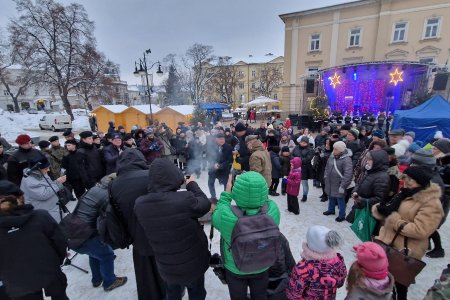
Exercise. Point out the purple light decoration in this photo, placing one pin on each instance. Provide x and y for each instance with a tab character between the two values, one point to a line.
367	88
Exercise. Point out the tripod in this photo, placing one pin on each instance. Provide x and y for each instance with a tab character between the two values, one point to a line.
62	210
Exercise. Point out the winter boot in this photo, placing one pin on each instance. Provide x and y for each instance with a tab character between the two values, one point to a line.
117	283
436	253
304	198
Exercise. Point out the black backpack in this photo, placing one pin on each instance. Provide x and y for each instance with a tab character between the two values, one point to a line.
255	240
111	225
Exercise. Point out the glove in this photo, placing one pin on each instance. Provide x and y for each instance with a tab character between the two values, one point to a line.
285	180
341	190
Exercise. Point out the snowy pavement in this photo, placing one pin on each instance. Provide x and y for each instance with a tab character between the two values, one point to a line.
293	227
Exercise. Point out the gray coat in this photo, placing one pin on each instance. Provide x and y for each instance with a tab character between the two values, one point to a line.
332	179
38	193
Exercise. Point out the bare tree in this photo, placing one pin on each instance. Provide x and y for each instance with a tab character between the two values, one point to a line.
93	81
16	73
55	36
270	78
224	81
198	61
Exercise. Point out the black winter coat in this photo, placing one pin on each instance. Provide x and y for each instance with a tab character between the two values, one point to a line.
319	141
244	154
110	156
32	249
131	182
74	165
280	271
18	161
276	164
169	218
306	154
88	207
285	162
224	160
93	165
357	150
375	185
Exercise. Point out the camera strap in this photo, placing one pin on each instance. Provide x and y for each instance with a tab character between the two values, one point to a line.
211	236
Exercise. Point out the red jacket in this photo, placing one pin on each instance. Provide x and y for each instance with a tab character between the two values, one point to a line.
287	124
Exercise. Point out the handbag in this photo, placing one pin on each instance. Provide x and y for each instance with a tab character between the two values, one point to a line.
352	183
364	223
403	267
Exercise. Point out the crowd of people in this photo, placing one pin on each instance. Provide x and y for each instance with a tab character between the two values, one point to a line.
404	182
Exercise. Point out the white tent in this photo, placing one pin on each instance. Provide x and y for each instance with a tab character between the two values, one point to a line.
261	100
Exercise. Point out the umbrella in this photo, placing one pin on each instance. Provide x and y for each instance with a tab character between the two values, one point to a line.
261	100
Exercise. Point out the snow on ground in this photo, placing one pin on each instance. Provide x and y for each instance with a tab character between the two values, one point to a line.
13	124
294	227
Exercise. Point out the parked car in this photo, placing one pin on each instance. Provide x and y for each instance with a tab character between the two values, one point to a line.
33	111
55	122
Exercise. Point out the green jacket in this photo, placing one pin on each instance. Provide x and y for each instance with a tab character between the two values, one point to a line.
249	193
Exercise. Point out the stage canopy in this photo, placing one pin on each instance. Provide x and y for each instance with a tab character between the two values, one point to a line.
425	119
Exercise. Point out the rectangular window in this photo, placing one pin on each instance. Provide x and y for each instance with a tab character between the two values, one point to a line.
22	93
355	37
312	71
241	97
399	34
36	92
253	85
240	74
241	85
431	28
315	42
275	96
253	73
253	97
426	60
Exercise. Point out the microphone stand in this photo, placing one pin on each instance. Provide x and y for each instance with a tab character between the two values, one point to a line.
62	209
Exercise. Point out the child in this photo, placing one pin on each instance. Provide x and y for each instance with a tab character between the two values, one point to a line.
322	270
369	277
293	185
285	160
276	169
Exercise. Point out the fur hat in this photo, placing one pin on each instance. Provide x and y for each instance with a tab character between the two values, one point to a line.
340	146
443	145
423	157
372	260
23	139
420	174
401	147
321	239
240	127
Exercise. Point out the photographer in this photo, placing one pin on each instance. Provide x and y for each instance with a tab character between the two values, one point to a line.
151	147
101	255
40	190
169	219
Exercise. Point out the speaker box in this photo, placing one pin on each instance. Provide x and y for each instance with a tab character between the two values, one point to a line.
440	82
310	86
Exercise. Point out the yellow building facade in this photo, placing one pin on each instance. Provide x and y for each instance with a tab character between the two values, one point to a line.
360	31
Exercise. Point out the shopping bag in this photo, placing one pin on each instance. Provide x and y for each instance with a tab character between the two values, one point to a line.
364	223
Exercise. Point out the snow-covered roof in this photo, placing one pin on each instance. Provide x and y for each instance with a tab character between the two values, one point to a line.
259	59
183	109
145	108
133	88
117	109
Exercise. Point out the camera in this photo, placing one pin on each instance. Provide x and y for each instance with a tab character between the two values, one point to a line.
216	263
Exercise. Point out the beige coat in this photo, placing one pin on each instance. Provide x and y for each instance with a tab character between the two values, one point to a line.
260	162
422	212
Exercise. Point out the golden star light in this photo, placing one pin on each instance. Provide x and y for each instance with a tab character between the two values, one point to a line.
335	80
396	77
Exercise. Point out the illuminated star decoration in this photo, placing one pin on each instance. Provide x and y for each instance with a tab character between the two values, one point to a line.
396	77
335	80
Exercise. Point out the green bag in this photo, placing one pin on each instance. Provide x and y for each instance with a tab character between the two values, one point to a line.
364	223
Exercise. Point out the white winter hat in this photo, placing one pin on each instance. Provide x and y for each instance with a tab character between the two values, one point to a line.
339	146
321	239
401	147
438	135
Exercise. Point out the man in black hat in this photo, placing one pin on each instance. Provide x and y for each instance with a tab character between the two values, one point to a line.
395	136
74	163
93	166
241	150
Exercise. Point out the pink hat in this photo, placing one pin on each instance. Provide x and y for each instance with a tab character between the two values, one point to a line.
372	260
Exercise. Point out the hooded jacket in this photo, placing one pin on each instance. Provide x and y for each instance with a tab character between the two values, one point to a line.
169	220
294	178
361	291
422	212
40	192
132	171
260	161
375	185
332	179
250	194
32	249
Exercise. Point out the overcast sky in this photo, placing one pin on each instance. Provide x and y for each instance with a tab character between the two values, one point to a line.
125	28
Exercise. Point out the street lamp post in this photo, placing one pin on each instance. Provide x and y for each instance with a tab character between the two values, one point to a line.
143	72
